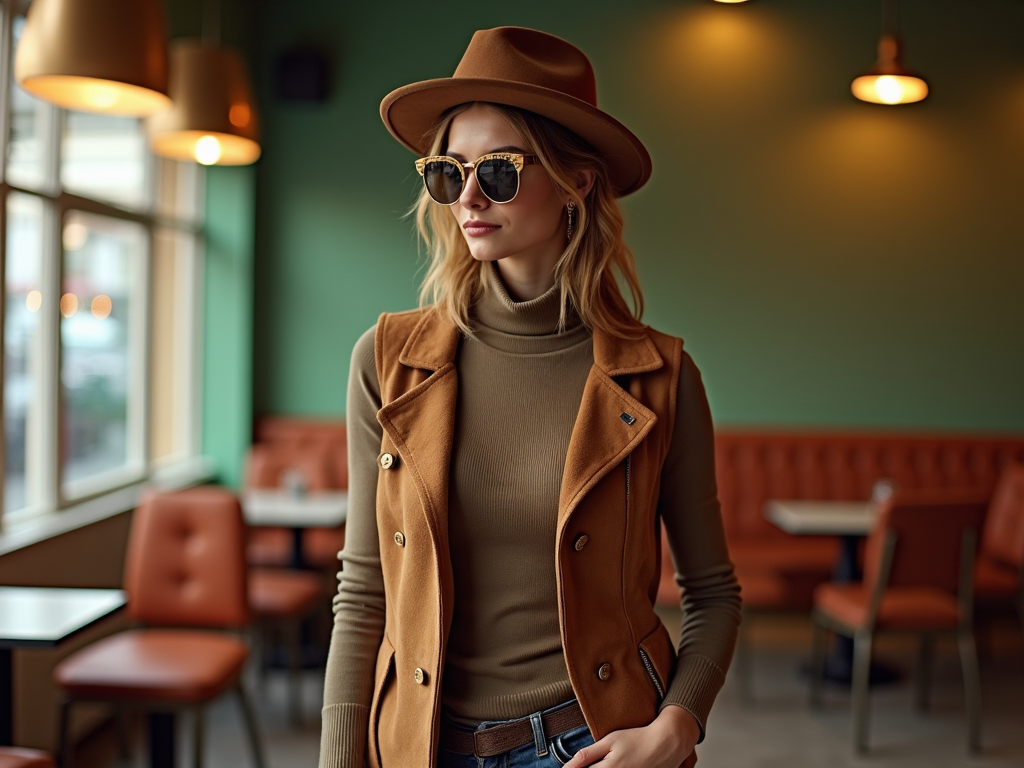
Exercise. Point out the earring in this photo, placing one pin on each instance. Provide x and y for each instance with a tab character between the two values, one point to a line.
570	207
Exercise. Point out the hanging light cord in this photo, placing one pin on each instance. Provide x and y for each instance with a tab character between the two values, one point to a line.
211	22
890	17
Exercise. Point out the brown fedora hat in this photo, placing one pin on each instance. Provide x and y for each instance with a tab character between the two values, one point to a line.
527	69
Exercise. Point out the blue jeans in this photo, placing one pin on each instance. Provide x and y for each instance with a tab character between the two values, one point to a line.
545	752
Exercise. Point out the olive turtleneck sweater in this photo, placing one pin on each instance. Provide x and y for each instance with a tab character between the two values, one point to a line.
520	387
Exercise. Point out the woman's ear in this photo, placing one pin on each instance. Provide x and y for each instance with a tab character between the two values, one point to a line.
585	182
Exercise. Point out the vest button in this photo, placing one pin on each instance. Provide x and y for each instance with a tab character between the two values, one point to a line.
419	676
399	538
604	671
387	461
581	542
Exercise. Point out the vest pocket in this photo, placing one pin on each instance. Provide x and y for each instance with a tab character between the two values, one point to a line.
657	656
382	676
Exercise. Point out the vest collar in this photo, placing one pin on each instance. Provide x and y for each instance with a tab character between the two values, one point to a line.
435	341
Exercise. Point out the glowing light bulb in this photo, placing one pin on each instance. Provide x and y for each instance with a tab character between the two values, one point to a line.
33	301
68	304
207	150
101	306
100	96
889	89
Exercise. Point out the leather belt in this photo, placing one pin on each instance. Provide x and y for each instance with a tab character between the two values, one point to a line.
512	735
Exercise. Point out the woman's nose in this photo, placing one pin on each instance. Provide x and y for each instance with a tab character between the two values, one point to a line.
472	196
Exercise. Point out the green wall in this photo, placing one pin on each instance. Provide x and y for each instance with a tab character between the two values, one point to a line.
227	319
828	262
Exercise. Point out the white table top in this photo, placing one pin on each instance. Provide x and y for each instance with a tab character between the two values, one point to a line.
46	616
837	518
271	506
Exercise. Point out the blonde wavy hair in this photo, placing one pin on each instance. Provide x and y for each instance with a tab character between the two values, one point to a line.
594	260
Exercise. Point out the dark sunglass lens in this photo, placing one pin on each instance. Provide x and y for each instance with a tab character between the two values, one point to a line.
443	180
498	179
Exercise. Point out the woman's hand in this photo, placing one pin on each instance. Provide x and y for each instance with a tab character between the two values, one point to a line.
668	742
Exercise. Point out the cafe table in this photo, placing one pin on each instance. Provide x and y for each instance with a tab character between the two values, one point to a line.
295	511
43	617
850	521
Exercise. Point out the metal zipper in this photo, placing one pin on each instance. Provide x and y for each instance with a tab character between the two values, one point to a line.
652	674
630	456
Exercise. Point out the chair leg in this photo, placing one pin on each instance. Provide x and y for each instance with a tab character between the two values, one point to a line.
859	689
293	635
63	741
817	669
972	689
922	683
197	743
743	662
250	725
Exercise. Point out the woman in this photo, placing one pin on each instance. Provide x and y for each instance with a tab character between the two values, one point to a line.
524	412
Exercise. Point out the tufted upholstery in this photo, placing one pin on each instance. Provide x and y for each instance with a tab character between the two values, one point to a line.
16	757
186	563
186	575
754	466
316	448
327	437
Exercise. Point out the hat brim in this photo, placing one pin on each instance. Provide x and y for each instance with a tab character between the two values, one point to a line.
412	111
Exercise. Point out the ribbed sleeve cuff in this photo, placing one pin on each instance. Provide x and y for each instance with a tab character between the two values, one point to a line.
696	684
343	735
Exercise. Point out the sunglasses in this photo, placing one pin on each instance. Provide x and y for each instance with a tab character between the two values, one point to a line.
497	174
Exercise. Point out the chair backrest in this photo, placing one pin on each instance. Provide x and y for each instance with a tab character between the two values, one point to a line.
1003	537
929	533
269	465
186	560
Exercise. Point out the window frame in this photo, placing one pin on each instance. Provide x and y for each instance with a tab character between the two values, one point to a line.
53	494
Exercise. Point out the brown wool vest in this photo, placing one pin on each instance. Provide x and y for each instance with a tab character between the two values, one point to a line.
619	656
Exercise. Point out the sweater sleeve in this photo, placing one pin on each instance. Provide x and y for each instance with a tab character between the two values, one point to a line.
359	604
696	537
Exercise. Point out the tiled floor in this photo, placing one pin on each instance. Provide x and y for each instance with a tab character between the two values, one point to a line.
777	731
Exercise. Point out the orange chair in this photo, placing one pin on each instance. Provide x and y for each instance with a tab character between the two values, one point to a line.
269	466
185	575
918	564
999	571
284	598
17	757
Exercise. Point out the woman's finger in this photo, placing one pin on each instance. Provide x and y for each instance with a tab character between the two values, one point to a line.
590	755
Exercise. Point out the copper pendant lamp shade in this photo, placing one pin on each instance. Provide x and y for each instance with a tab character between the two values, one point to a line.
107	56
213	119
889	82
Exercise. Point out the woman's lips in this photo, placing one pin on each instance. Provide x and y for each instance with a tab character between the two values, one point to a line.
479	228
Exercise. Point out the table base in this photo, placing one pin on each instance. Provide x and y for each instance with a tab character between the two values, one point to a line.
161	739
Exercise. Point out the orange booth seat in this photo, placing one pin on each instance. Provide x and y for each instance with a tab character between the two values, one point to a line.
776	569
318	451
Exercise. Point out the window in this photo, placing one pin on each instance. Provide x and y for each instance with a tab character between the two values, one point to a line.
101	253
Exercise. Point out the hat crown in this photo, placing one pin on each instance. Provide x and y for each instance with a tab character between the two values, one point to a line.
530	57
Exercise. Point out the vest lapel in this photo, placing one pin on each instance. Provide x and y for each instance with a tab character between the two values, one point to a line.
611	422
421	421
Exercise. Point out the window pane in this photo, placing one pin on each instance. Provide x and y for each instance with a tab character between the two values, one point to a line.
23	352
104	157
99	309
178	195
170	348
31	122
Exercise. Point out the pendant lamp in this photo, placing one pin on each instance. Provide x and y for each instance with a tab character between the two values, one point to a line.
889	82
107	56
213	117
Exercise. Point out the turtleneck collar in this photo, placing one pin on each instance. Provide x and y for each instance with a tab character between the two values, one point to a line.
522	326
